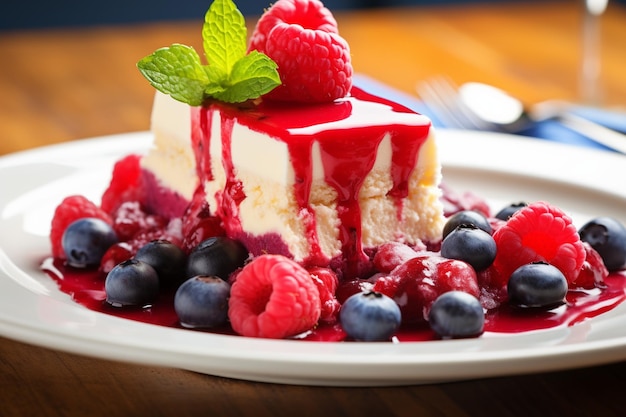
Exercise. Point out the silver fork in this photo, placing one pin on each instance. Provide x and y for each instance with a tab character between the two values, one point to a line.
440	95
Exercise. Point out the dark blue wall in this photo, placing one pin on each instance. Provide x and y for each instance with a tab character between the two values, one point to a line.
16	14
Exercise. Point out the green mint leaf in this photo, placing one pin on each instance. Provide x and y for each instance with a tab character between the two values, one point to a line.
217	82
230	76
224	35
252	76
177	71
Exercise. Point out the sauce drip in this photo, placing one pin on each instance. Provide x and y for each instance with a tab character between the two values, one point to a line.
348	131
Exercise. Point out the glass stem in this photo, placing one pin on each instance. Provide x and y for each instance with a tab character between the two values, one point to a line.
591	51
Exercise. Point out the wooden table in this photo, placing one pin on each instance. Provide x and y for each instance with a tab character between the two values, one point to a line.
63	85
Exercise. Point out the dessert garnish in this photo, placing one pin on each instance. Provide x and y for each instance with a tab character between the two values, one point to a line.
231	75
301	36
273	297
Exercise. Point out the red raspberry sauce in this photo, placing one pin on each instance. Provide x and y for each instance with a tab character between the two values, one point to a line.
348	132
87	289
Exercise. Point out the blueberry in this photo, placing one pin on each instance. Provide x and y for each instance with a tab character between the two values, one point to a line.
537	285
216	256
608	237
370	316
470	244
202	302
131	283
506	212
466	217
455	315
86	240
168	260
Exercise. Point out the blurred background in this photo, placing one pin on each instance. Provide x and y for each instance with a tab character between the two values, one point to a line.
59	55
47	14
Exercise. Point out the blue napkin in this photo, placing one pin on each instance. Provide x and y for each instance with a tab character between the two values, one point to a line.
549	130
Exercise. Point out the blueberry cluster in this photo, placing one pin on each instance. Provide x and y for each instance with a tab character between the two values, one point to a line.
201	298
467	236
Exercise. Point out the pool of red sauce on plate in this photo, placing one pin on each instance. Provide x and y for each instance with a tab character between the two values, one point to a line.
87	289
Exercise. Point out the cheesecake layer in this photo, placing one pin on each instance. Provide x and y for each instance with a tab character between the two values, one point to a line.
316	183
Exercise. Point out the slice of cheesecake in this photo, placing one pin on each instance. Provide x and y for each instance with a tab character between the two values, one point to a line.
319	183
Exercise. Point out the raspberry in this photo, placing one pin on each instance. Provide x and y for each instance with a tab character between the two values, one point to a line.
392	254
593	271
130	219
539	232
350	287
313	60
326	281
309	13
199	224
273	297
492	293
116	254
171	232
416	284
455	275
71	209
126	184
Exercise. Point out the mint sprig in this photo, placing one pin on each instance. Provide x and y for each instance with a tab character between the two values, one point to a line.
230	75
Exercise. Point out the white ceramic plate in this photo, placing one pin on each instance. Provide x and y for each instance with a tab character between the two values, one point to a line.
501	168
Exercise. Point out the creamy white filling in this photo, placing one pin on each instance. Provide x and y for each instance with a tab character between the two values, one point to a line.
171	158
264	167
